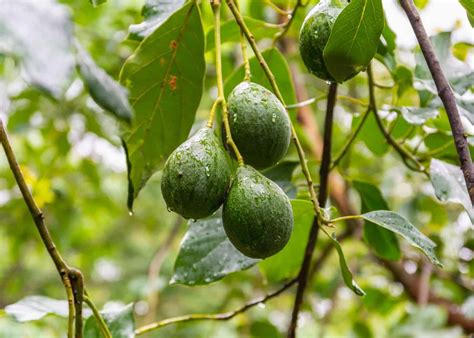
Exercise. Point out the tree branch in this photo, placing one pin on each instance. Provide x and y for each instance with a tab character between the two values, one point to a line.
218	316
323	192
445	93
287	24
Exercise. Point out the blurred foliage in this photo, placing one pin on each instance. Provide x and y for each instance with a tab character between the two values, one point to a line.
70	152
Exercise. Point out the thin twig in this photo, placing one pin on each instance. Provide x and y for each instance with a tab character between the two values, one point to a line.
38	218
245	57
406	156
445	93
322	197
77	282
287	24
218	316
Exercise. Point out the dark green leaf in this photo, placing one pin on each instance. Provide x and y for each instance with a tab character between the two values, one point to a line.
105	91
354	38
469	6
165	91
40	34
281	174
277	63
449	185
346	272
286	263
230	31
36	307
120	322
383	241
154	12
206	254
400	225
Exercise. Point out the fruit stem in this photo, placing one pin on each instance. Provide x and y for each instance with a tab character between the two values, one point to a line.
276	90
245	57
216	8
216	103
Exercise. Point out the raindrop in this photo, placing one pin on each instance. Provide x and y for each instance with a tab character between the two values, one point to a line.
130	213
261	305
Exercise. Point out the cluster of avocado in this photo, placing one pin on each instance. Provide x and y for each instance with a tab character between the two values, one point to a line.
198	179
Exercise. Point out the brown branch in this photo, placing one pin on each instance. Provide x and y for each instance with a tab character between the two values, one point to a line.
71	278
322	197
445	93
218	316
411	284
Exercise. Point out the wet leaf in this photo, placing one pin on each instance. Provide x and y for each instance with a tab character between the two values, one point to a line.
36	307
281	174
415	115
449	185
400	225
165	91
206	254
384	242
154	12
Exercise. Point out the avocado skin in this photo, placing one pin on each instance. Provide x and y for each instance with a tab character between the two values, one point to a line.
314	35
196	176
259	125
257	215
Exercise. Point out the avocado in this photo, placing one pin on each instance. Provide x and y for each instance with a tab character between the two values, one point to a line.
259	125
314	35
196	176
257	215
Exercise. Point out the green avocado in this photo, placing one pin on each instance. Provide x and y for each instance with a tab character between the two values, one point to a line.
314	35
259	125
196	176
257	215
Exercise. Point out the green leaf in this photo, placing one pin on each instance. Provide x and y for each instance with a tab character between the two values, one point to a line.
386	48
230	31
155	13
354	38
371	135
96	3
346	272
449	185
383	241
400	225
40	34
418	116
281	174
105	91
469	6
165	91
277	63
206	254
36	307
287	262
119	320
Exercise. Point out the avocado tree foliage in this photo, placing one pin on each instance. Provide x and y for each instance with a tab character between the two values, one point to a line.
281	129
